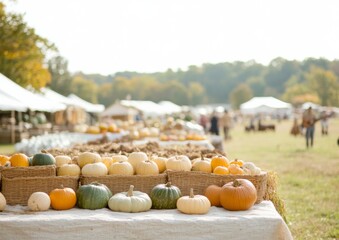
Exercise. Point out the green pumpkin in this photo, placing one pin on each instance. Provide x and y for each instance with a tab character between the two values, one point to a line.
93	196
42	159
165	196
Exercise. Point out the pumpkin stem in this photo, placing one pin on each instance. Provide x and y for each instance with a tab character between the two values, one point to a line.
43	151
202	156
130	191
191	193
168	184
236	183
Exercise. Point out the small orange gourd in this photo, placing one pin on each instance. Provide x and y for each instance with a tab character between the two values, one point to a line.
3	160
63	198
219	161
240	163
212	192
19	160
235	169
221	170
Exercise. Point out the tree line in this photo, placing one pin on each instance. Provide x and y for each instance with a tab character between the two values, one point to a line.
23	59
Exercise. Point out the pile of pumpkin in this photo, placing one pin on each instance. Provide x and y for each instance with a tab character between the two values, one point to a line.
238	195
92	164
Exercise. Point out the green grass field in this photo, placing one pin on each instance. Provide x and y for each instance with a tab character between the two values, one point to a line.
7	149
308	178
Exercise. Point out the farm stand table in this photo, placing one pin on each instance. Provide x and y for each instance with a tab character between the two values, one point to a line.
261	222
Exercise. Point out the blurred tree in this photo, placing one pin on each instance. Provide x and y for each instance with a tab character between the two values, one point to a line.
22	51
240	94
325	84
105	94
196	93
61	78
84	88
175	92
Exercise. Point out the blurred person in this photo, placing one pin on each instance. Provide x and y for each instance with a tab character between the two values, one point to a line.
295	128
214	129
203	121
324	123
225	124
308	121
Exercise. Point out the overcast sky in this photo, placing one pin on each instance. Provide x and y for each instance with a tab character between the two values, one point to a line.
107	36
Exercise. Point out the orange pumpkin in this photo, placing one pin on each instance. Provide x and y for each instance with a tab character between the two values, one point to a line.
235	169
63	198
238	195
3	160
221	170
219	161
212	192
240	163
19	160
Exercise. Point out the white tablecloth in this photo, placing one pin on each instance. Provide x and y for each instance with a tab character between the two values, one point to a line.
260	222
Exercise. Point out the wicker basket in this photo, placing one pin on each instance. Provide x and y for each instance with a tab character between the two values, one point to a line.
120	183
18	190
34	171
199	181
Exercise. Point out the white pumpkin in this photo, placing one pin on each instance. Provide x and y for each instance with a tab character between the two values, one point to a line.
131	201
161	162
3	202
69	170
154	132
251	168
87	158
94	169
202	165
179	163
144	132
61	160
121	168
134	134
147	168
39	201
135	158
193	204
119	158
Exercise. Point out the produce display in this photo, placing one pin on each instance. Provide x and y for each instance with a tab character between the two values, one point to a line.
112	159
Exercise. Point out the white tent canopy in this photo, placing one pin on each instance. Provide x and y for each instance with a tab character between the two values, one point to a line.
148	108
87	106
57	97
266	105
117	109
9	104
28	99
170	107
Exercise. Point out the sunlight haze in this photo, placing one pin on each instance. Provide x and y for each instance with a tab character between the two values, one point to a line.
147	36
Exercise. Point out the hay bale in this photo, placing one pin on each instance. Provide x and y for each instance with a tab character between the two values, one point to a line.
272	194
